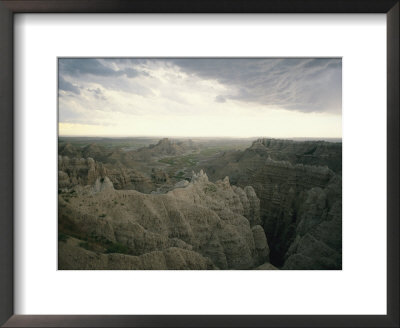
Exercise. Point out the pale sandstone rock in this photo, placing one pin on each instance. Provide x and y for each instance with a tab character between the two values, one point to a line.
73	257
260	243
203	218
266	266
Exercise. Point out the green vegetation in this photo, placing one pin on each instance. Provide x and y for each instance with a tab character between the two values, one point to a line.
62	237
167	160
180	175
117	248
84	245
67	195
102	215
311	151
210	188
210	151
91	241
180	161
108	143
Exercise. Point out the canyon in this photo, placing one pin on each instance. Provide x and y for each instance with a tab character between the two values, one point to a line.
200	204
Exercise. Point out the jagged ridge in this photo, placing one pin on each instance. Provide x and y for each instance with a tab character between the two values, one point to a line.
217	221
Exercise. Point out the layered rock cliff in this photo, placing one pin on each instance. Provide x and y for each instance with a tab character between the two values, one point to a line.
125	213
300	205
316	153
84	171
201	225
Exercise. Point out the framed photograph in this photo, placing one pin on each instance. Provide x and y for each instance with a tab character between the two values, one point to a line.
213	164
141	187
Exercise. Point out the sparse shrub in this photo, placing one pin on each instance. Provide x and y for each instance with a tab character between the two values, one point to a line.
180	175
62	237
102	215
117	248
210	188
84	245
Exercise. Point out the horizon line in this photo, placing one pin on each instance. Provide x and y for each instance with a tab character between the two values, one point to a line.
184	137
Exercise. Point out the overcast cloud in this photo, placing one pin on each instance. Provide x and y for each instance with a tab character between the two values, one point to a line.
308	85
102	91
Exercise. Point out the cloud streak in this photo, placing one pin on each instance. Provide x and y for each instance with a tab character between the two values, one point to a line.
121	92
67	86
307	85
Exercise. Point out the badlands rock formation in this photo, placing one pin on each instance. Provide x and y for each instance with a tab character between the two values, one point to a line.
130	209
84	171
165	147
317	153
300	205
199	225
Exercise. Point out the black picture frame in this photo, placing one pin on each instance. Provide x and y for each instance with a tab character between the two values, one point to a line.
10	7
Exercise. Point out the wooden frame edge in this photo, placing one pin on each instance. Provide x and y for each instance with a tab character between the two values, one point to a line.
7	10
6	164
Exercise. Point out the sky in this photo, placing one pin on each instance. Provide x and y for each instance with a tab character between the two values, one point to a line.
200	97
